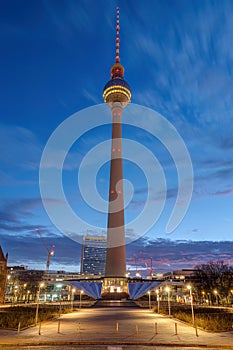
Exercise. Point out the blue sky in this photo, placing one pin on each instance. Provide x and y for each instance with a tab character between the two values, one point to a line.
178	59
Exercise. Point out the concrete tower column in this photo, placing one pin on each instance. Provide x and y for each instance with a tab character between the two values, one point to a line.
117	95
116	252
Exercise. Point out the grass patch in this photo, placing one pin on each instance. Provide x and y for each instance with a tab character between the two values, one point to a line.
10	317
211	319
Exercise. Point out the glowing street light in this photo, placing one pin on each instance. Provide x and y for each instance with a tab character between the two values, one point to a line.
80	299
216	295
41	285
203	296
189	287
158	299
28	295
167	289
149	299
73	290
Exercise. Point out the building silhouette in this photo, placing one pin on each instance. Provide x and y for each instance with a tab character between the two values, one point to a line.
3	274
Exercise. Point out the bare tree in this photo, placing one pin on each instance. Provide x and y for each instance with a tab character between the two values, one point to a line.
214	281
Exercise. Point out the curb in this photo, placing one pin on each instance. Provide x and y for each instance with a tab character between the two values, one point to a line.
87	343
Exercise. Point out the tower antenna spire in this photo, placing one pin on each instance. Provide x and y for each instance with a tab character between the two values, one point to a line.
118	35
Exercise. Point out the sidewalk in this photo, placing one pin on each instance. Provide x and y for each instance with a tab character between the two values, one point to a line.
109	326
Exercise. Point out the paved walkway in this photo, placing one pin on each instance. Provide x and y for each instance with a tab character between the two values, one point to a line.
116	326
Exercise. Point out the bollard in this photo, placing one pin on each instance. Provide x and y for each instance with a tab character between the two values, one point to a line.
19	327
117	327
60	309
196	330
39	332
79	327
175	328
59	326
156	328
137	330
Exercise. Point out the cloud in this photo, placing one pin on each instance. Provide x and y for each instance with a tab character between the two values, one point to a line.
74	19
224	193
92	97
30	251
19	148
188	77
166	254
177	254
16	216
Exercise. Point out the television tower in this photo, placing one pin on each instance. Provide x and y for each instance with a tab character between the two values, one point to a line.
117	95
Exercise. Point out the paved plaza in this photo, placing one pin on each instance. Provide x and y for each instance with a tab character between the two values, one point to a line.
115	327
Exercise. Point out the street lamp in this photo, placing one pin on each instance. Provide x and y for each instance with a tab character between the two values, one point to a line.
149	299
28	295
216	296
167	289
203	296
72	299
80	299
158	299
191	299
41	285
16	290
24	294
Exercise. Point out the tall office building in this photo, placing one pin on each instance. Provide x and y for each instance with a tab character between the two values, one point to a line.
93	255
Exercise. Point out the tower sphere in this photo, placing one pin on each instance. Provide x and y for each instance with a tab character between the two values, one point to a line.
117	89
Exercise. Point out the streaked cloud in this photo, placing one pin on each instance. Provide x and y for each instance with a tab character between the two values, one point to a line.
168	255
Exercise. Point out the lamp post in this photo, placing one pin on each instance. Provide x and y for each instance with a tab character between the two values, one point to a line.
203	296
24	296
191	300
41	285
158	300
80	299
167	289
28	295
16	290
72	299
216	296
149	299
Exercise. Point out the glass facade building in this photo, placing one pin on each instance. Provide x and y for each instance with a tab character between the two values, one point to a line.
93	255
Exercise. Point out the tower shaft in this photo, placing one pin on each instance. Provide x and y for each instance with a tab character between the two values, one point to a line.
116	252
117	95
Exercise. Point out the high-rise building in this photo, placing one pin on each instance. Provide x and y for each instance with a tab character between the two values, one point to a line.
93	255
3	274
